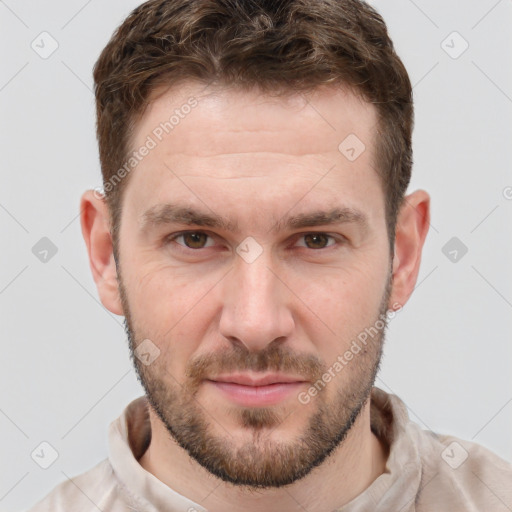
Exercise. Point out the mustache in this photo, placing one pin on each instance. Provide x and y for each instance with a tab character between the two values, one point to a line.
237	358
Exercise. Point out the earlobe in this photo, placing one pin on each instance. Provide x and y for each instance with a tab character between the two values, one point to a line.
411	230
94	219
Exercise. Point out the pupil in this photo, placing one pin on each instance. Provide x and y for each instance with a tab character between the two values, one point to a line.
315	239
195	242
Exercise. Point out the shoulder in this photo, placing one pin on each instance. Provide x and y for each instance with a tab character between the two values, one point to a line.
96	489
459	473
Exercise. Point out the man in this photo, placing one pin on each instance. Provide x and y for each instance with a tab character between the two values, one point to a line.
255	233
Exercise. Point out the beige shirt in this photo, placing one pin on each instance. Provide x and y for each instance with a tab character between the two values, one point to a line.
424	471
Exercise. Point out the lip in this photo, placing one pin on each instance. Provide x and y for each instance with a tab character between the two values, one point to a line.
247	379
252	391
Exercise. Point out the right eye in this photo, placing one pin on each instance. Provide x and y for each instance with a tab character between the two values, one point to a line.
193	240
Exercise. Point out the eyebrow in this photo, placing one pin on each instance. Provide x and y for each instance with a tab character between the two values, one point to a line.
163	214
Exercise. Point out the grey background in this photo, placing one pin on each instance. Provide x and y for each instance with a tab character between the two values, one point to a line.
66	372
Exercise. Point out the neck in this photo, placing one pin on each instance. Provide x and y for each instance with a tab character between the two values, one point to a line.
346	473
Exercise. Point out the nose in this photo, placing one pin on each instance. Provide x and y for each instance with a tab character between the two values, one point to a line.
256	305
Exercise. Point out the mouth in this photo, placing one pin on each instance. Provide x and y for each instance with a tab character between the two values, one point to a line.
253	390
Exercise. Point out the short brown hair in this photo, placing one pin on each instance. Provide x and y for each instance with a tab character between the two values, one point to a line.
288	46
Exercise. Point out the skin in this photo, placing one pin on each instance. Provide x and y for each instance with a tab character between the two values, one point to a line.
256	159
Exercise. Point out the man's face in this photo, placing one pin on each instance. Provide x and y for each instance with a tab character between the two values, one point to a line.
260	296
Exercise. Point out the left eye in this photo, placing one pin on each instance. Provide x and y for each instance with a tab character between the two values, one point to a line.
318	240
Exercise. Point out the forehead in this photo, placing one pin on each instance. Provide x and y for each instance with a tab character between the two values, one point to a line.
232	142
314	121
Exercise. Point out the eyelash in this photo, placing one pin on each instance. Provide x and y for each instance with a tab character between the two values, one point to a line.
173	237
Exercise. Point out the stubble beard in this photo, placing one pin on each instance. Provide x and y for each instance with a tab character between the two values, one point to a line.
259	462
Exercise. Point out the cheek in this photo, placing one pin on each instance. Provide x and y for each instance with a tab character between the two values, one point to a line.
344	303
170	308
164	294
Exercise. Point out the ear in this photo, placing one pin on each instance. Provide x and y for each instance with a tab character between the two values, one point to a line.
95	222
411	230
